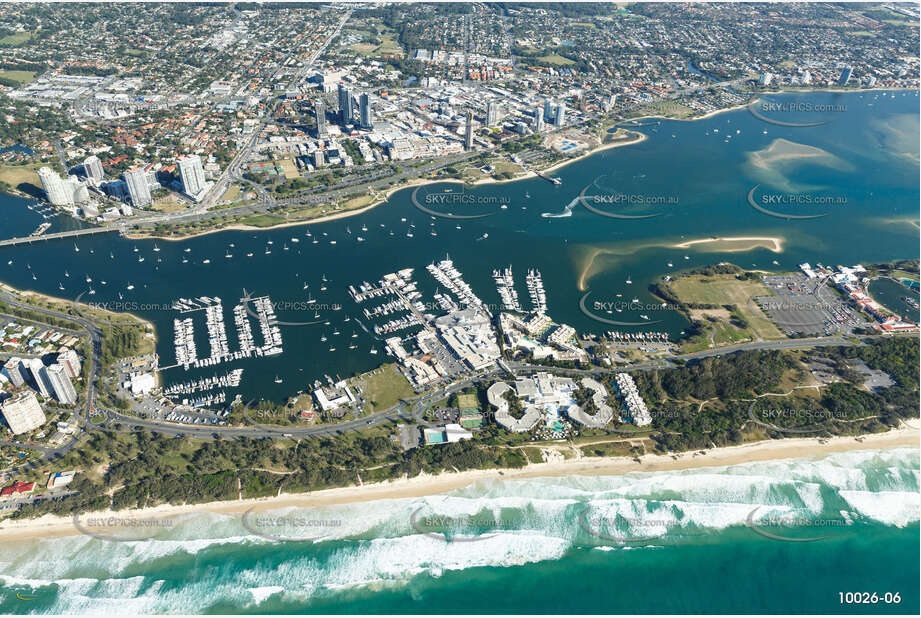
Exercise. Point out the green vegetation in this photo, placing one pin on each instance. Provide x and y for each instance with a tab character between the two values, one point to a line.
16	39
144	470
383	387
16	78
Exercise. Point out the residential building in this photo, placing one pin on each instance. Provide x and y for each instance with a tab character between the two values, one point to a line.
70	361
138	190
468	132
192	175
58	191
60	383
36	371
559	116
319	110
13	370
92	167
346	110
492	113
365	112
23	413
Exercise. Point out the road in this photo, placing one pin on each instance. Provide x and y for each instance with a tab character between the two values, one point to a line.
95	338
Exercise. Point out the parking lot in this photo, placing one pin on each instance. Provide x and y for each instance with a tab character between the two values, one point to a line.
803	306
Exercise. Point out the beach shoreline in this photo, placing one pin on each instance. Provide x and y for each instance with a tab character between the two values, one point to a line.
383	198
49	526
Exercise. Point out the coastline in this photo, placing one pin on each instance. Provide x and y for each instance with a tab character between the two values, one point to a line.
50	526
382	198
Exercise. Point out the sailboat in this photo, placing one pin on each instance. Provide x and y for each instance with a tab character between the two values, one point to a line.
129	286
76	248
66	274
60	287
88	279
156	248
278	380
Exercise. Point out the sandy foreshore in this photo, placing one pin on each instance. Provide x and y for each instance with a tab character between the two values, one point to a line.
425	485
733	244
381	198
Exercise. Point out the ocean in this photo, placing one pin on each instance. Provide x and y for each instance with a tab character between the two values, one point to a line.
786	536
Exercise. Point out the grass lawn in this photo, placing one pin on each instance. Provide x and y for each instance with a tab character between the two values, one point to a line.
262	220
388	47
232	193
384	387
14	175
167	204
727	290
15	39
21	77
556	60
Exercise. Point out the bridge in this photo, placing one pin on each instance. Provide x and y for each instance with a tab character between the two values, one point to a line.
28	240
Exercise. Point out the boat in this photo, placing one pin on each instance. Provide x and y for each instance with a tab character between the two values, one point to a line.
66	274
156	248
360	239
249	255
129	286
76	248
629	281
323	338
228	255
278	380
206	261
644	316
89	279
267	251
187	249
185	261
60	287
136	249
670	264
140	258
332	242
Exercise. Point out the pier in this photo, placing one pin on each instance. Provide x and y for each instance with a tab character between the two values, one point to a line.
28	240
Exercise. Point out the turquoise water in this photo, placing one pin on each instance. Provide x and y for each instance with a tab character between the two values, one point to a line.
682	545
700	172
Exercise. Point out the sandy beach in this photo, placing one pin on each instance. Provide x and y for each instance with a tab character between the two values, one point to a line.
734	244
425	485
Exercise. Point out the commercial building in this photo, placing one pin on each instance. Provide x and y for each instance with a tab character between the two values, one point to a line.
22	413
468	132
138	189
452	432
336	396
60	383
13	370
